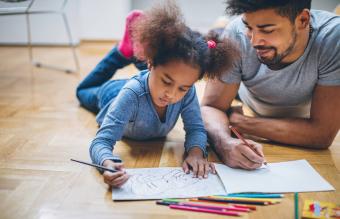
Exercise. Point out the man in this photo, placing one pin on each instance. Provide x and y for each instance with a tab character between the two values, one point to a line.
288	75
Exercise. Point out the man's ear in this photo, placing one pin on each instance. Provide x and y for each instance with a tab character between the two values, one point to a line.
303	19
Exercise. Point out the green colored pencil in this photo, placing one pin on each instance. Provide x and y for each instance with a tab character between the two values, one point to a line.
296	201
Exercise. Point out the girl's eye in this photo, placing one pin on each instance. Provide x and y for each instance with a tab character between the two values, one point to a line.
166	82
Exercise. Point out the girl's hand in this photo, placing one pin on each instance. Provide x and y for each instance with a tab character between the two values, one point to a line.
116	179
197	163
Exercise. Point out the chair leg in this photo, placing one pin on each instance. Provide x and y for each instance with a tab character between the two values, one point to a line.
68	31
29	38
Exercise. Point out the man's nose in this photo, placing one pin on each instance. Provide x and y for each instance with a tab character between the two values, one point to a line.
256	39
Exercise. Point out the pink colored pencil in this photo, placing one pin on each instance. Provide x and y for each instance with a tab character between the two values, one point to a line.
205	210
228	208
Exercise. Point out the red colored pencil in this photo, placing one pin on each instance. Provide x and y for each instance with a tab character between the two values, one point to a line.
250	207
245	142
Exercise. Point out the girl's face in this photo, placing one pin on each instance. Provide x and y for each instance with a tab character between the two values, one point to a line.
169	83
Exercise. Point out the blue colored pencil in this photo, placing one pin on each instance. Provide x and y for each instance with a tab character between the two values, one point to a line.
257	195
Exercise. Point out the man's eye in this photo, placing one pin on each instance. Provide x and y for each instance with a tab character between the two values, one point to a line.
267	31
183	89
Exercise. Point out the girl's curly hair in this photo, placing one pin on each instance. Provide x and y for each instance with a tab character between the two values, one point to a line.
163	36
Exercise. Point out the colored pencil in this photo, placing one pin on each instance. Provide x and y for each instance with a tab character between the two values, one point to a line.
250	207
296	203
271	201
233	201
246	206
227	208
204	210
245	142
208	206
251	195
95	165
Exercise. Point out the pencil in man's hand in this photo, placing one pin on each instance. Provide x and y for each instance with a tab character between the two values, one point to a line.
245	142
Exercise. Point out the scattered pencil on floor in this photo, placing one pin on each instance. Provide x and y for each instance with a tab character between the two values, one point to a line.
231	204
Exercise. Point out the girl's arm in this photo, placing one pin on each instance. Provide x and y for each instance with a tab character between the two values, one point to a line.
195	133
111	130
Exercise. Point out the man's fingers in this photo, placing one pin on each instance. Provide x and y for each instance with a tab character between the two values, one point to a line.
258	148
245	158
251	155
248	164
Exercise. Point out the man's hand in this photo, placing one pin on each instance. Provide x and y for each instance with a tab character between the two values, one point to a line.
116	179
237	155
199	165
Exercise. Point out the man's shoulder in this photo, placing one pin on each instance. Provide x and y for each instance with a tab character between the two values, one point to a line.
324	21
236	26
326	26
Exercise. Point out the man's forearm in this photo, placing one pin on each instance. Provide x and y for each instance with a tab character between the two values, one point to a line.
216	123
302	132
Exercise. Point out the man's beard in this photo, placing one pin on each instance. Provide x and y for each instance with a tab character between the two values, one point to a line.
276	61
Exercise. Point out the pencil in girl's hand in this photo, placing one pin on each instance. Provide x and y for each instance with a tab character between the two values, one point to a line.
245	142
95	165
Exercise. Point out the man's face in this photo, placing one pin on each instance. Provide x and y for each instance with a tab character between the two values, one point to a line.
274	37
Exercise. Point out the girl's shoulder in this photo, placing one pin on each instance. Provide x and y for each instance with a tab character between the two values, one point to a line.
138	83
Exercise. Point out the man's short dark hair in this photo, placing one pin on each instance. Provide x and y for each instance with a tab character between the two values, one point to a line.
285	8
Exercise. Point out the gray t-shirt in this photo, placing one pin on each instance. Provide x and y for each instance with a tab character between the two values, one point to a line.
287	92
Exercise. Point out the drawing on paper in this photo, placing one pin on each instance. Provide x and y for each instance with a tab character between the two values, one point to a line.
154	183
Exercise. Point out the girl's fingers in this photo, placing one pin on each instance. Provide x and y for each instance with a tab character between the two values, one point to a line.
185	167
200	171
206	169
108	176
118	166
120	181
194	167
212	168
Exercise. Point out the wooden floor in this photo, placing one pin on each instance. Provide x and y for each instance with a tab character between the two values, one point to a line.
42	127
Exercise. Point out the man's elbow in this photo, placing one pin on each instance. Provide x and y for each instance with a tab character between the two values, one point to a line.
324	142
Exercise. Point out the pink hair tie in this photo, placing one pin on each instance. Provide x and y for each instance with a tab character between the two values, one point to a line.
211	44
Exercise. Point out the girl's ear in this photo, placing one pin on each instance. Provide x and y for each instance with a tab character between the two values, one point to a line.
149	63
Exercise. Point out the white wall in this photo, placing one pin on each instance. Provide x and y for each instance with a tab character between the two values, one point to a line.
45	28
198	14
88	19
104	19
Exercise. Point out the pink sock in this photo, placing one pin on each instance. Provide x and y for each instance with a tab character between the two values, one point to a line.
125	46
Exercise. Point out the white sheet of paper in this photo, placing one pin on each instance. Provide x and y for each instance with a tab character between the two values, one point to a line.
291	176
166	182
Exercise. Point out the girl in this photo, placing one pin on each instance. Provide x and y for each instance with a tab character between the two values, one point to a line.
149	104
